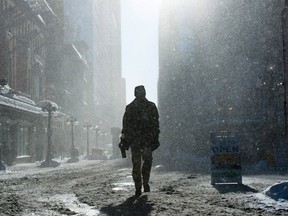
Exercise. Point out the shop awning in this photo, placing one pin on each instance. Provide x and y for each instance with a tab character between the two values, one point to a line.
10	102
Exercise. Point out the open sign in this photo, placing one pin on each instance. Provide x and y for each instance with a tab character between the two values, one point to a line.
225	159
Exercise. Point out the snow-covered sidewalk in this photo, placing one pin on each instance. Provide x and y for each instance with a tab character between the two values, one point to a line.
94	187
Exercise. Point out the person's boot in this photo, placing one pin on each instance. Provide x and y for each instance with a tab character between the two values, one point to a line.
146	187
138	192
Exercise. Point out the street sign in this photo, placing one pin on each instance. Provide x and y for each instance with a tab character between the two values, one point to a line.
225	158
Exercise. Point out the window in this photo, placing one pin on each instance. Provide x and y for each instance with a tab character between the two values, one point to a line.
22	141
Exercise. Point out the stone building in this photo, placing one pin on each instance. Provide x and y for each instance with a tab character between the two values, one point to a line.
39	63
22	66
221	69
27	34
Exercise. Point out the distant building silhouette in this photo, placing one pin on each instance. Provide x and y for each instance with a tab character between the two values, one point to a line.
98	24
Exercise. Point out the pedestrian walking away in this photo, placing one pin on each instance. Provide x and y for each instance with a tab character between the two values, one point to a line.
140	132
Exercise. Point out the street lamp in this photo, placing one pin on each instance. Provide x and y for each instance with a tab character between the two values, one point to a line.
96	130
104	135
74	152
4	89
2	166
49	106
87	126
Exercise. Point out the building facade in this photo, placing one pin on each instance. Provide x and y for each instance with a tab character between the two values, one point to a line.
221	70
48	54
98	24
22	68
37	65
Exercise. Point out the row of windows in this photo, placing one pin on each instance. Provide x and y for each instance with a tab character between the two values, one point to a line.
19	21
4	5
22	32
22	138
23	29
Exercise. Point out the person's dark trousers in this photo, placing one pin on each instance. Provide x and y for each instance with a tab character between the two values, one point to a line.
138	155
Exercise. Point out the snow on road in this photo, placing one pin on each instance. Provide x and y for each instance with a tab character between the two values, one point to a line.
71	202
92	188
274	197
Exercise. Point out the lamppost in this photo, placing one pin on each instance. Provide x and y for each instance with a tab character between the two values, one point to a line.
4	89
87	126
104	138
96	130
115	132
2	166
49	106
74	152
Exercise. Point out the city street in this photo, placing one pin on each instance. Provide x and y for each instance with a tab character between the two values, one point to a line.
207	81
94	187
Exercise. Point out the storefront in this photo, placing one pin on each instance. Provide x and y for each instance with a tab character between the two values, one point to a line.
20	128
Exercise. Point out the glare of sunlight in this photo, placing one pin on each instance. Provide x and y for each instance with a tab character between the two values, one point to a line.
145	6
197	8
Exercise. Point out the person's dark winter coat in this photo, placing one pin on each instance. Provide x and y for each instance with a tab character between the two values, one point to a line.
141	132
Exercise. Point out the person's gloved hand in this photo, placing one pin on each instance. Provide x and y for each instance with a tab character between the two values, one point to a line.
123	143
155	145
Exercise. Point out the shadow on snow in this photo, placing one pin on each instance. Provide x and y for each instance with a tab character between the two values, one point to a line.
229	188
133	206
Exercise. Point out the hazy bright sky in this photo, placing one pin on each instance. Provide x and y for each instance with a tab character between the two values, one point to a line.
140	46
